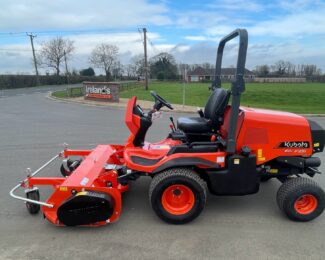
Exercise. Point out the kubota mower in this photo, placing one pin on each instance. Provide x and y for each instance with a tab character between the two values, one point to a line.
227	148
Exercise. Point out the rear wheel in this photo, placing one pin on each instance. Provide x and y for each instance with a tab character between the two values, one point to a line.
177	195
31	207
301	199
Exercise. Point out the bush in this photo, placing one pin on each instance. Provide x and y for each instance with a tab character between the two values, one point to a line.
160	76
87	72
26	81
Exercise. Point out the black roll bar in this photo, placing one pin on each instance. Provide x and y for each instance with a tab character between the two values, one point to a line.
238	85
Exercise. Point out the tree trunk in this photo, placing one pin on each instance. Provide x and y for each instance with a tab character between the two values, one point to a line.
108	75
58	67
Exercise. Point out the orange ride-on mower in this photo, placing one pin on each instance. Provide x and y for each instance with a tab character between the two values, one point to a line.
227	148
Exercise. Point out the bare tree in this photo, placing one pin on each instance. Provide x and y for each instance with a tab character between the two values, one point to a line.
103	57
291	68
52	53
137	63
207	66
280	67
129	71
117	70
262	70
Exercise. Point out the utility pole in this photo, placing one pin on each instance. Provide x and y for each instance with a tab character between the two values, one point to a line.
145	57
31	36
66	66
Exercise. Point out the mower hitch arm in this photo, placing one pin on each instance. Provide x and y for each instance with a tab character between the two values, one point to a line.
21	184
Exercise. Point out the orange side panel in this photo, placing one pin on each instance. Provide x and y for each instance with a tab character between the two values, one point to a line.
264	130
225	125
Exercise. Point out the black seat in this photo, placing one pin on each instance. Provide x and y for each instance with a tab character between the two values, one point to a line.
193	124
213	114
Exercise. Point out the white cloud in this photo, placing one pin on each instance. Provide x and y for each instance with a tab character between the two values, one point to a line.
292	25
198	19
81	14
129	44
279	35
294	5
235	5
195	38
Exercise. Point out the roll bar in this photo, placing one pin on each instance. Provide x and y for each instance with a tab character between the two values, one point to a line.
238	85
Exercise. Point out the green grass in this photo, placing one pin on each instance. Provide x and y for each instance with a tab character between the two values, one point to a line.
60	94
71	92
302	98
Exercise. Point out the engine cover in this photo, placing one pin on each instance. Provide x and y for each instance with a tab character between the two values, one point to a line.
86	208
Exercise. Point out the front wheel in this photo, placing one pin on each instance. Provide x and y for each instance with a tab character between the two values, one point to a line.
31	207
177	195
301	199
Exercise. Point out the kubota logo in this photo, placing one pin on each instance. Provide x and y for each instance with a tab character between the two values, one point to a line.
295	144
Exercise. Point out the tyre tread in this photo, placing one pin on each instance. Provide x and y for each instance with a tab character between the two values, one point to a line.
293	185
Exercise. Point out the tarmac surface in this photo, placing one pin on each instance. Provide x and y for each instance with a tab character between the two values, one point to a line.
33	129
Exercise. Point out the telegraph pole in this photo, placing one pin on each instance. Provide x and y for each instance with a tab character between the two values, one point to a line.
66	66
31	36
145	57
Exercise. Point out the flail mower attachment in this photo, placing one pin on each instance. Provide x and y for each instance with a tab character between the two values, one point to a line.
90	194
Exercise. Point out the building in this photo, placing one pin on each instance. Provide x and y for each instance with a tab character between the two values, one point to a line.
227	74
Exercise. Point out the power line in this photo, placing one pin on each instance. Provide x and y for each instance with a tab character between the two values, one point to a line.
59	32
140	32
153	46
15	50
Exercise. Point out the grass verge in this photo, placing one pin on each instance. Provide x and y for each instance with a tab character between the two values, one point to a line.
304	98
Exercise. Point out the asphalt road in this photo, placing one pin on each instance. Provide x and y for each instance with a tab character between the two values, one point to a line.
33	128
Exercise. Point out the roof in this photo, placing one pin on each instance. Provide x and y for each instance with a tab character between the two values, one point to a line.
199	71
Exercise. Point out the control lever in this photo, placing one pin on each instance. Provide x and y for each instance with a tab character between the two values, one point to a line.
173	124
200	112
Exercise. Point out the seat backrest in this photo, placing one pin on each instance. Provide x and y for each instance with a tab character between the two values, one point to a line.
215	107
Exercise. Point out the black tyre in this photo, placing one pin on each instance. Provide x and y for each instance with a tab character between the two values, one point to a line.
67	172
301	199
177	195
31	207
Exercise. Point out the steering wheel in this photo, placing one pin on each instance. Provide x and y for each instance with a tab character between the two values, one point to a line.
160	102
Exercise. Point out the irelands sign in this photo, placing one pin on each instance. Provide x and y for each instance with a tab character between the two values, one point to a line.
105	91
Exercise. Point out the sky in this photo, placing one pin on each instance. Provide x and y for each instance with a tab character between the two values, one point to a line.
190	30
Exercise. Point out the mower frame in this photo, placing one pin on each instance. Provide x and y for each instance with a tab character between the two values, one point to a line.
24	183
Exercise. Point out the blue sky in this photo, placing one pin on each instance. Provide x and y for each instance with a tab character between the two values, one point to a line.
190	30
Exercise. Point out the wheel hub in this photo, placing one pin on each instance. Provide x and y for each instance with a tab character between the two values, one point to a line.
306	204
178	199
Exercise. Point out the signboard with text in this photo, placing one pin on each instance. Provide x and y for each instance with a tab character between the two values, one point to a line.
101	91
